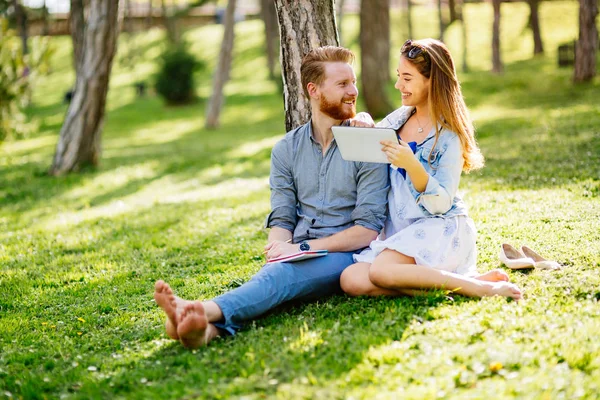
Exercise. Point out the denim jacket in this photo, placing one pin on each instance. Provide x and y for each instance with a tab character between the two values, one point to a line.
443	164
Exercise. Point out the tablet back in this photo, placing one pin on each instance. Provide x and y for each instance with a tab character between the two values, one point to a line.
362	144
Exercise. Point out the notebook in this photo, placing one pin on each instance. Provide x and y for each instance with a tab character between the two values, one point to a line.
301	255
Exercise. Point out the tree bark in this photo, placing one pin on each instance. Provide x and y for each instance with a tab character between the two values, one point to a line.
534	22
221	75
453	13
339	17
441	20
21	20
77	27
409	17
587	45
304	25
496	58
80	135
269	16
375	55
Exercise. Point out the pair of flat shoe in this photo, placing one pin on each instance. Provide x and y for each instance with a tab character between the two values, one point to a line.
524	259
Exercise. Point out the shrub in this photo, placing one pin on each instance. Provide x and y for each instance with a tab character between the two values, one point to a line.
175	79
17	74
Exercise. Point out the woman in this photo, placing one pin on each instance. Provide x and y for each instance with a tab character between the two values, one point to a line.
429	240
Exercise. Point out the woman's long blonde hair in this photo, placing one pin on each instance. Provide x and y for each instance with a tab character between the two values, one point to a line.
447	107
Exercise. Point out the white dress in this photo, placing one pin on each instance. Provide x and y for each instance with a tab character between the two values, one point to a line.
442	242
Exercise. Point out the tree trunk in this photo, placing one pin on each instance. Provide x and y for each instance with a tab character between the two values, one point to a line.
21	20
453	13
77	26
149	15
534	22
269	16
340	15
304	25
587	45
496	59
46	28
79	142
441	20
170	23
409	16
375	55
465	65
221	75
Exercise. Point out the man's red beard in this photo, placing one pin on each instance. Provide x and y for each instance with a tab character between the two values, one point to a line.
336	110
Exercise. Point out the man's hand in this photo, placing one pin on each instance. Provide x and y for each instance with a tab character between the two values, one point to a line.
363	120
280	248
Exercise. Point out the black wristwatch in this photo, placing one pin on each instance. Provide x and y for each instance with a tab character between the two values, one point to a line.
304	246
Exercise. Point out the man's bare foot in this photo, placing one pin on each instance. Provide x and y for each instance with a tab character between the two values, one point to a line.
193	325
495	275
505	289
171	305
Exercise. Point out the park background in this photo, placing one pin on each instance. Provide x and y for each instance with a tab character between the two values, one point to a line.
173	200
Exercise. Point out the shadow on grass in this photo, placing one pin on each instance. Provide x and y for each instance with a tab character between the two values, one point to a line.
317	342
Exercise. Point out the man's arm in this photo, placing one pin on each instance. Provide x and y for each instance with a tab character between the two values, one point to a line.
368	216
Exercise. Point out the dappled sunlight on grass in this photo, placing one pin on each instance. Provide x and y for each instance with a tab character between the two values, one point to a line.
252	148
28	145
79	254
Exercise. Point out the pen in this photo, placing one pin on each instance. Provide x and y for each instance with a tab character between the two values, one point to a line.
287	241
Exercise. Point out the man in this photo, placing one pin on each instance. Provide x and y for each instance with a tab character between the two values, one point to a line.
318	201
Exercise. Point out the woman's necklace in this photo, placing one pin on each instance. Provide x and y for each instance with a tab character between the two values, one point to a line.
420	130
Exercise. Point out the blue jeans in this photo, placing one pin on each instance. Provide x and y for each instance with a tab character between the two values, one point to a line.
278	283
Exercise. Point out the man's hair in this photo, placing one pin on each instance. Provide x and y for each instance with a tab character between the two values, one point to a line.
313	68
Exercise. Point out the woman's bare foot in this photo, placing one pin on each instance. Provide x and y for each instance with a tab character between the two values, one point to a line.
505	289
495	275
171	305
193	326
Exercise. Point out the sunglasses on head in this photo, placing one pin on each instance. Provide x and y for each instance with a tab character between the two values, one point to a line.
412	50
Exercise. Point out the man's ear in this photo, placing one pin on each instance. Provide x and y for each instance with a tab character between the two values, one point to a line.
313	90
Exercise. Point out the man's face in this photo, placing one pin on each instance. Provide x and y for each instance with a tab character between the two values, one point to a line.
338	91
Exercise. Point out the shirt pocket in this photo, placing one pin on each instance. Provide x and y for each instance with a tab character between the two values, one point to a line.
430	157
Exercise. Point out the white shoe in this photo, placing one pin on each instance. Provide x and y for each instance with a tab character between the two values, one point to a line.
540	262
514	259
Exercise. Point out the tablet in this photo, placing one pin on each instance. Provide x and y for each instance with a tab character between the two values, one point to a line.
362	144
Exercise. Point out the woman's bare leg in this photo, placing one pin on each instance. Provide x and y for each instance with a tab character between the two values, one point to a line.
355	282
393	270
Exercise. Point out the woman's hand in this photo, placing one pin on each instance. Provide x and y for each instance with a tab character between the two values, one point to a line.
279	248
363	120
398	153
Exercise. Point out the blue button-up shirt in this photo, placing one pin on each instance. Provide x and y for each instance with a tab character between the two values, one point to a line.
315	195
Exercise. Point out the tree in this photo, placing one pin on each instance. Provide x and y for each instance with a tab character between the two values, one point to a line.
441	20
587	45
409	18
496	59
21	20
269	16
80	135
461	16
534	23
221	76
304	25
339	16
375	55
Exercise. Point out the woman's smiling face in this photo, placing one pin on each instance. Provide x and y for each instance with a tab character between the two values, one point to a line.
413	86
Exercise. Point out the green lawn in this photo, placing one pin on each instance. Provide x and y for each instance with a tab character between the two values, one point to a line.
79	255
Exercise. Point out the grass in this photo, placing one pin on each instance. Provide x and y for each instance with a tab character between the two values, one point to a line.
79	255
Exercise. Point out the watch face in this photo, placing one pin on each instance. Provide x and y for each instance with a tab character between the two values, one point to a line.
304	246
